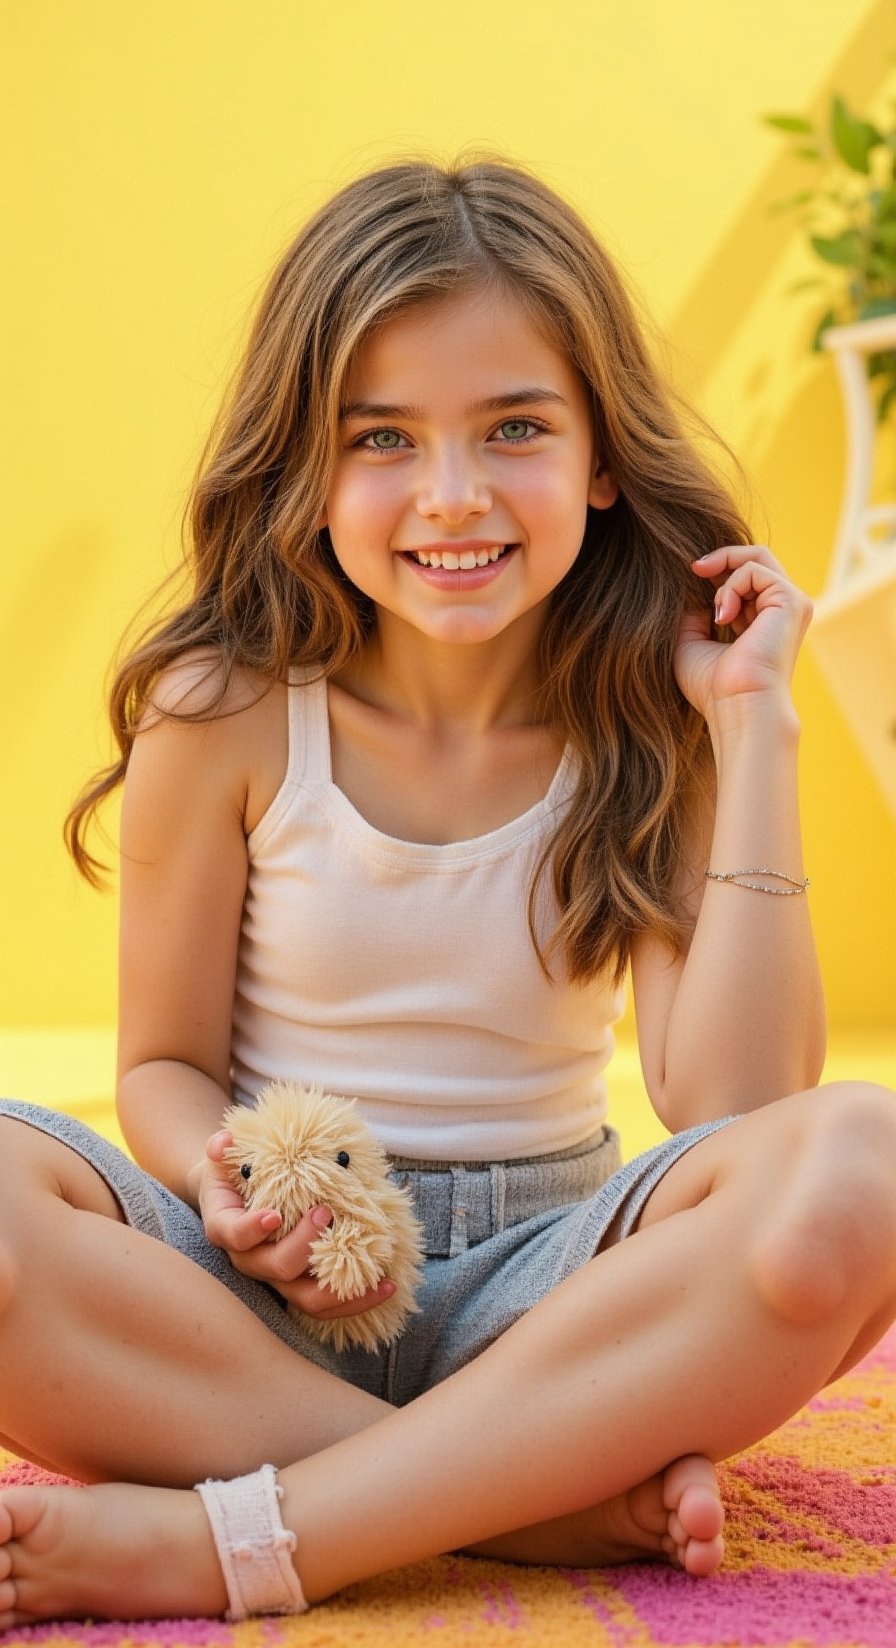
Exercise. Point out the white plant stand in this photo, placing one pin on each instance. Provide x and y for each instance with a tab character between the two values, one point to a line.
853	634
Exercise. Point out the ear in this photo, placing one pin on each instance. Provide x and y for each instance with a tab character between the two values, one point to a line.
603	491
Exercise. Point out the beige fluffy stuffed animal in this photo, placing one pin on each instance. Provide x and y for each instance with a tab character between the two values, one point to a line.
299	1147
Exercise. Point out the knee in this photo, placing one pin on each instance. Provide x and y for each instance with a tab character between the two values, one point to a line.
830	1240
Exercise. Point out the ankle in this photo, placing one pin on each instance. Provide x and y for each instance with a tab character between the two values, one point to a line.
254	1549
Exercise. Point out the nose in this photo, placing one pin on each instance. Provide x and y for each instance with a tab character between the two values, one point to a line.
453	488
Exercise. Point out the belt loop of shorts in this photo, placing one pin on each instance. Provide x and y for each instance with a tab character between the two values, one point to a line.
462	1190
498	1176
461	1204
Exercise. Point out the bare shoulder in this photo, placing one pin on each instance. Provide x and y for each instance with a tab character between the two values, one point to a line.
224	729
199	687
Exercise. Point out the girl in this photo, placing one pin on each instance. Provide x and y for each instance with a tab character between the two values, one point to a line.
480	696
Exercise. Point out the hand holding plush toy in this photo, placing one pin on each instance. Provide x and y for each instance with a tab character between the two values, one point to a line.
298	1147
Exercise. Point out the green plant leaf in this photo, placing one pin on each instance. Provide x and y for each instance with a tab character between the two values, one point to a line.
845	250
886	401
808	151
829	318
882	366
876	307
790	123
853	138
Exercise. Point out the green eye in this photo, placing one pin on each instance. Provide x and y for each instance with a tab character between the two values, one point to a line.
515	429
385	440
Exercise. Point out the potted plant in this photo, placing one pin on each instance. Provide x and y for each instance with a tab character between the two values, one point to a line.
849	213
848	210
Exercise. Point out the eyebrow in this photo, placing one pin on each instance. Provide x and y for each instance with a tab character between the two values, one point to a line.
534	394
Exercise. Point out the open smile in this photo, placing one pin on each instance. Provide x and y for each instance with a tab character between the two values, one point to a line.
462	569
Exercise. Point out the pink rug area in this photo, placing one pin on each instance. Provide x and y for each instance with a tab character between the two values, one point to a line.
811	1564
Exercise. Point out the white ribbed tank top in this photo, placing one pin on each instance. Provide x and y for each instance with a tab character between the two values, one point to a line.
404	974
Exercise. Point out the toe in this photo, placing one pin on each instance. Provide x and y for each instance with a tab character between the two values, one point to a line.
676	1530
695	1516
702	1557
700	1513
7	1602
691	1496
647	1508
693	1470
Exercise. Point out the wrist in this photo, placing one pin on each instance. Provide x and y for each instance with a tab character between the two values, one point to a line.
193	1182
753	718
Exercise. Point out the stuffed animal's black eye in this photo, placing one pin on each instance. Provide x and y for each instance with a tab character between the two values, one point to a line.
343	1158
246	1171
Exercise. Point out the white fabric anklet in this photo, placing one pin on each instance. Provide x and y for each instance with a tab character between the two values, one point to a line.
252	1544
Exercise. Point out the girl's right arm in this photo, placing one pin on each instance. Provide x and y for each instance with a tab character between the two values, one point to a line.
183	880
192	792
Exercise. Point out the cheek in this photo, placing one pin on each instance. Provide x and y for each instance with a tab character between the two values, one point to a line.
556	503
359	503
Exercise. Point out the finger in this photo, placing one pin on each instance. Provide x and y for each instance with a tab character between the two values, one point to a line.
217	1144
228	1222
717	562
290	1257
325	1306
242	1230
754	585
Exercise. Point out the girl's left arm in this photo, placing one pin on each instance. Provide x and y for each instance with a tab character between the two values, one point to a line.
739	1019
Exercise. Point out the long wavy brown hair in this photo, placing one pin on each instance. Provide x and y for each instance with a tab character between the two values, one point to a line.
266	591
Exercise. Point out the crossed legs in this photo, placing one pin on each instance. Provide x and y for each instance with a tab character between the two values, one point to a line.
765	1263
121	1359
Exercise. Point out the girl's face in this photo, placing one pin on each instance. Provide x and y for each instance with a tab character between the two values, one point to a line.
466	465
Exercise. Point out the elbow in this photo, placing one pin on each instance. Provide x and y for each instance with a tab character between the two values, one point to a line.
746	1083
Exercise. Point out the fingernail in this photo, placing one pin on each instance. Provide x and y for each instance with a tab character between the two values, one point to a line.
321	1218
705	557
387	1289
718	612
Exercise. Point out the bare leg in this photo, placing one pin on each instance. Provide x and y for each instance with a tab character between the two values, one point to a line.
698	1335
98	1319
189	1383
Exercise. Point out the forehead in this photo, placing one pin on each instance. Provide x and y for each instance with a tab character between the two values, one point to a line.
478	343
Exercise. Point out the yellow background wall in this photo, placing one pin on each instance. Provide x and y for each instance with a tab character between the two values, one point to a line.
164	154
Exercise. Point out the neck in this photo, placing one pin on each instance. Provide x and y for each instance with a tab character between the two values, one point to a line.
475	687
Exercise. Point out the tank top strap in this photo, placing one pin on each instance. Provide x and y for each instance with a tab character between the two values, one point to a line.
309	727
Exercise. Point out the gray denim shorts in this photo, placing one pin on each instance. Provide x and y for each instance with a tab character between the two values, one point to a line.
498	1237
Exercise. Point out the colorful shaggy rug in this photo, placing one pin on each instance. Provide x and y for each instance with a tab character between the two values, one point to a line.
811	1564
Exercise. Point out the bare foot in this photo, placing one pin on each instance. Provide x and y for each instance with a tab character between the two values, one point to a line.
678	1513
675	1515
114	1551
108	1552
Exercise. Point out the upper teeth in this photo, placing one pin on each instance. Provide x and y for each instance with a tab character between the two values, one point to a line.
458	563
